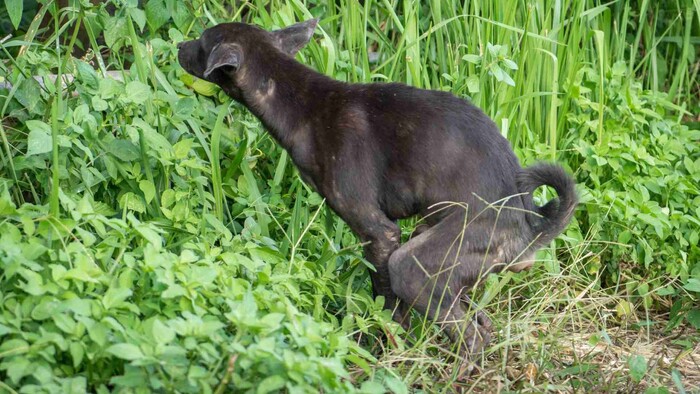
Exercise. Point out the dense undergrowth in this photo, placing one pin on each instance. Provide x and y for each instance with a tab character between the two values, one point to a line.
154	237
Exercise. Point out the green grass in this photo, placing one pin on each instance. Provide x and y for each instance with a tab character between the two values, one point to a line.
154	237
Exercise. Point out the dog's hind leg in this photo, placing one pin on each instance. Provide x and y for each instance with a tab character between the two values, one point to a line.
429	273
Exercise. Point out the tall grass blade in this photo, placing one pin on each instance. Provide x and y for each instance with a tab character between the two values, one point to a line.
217	187
56	105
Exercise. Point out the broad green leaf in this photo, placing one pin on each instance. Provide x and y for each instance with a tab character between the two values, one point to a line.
79	306
395	385
510	64
28	94
497	72
174	291
493	49
132	377
185	107
181	14
39	140
124	150
162	333
473	84
150	235
638	367
77	352
167	198
139	17
624	237
7	207
126	351
132	202
98	104
693	284
182	148
372	387
148	189
109	88
156	142
693	318
156	14
76	385
64	322
115	296
17	368
666	290
86	74
137	92
270	384
115	31
98	332
14	11
619	69
33	283
13	347
475	59
507	79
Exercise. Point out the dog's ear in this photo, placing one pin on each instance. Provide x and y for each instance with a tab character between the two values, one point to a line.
223	55
291	39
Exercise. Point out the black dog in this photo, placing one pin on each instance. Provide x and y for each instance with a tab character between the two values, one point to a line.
385	151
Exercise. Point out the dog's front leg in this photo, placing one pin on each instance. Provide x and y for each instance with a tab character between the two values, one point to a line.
381	237
377	251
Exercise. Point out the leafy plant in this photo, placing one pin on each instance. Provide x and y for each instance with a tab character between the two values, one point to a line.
154	238
643	184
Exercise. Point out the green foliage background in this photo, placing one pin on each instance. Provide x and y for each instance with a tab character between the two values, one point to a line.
154	237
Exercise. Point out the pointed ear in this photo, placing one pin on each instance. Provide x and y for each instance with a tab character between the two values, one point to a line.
223	55
291	39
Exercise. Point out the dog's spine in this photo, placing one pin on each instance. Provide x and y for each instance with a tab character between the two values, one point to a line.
556	214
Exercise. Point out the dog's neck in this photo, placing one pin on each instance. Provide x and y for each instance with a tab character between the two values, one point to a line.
281	92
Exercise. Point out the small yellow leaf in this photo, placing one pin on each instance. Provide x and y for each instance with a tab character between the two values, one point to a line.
624	308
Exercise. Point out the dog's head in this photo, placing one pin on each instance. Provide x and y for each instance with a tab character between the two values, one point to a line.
225	49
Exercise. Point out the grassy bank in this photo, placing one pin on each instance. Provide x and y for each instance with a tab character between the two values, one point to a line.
154	237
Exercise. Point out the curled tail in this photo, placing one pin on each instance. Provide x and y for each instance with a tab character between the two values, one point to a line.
556	214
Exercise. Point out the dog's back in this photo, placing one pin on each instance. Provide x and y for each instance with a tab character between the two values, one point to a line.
430	146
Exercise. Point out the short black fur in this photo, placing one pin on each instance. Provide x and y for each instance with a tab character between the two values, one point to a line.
385	151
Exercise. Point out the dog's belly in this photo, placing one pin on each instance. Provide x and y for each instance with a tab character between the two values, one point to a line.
400	200
400	210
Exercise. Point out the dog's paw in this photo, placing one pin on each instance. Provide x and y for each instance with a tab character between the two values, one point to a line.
474	336
484	322
466	370
477	334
